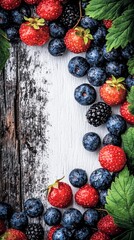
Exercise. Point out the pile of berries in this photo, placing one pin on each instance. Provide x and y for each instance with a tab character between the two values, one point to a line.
94	223
16	225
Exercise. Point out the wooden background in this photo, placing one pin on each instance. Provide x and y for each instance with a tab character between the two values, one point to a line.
41	125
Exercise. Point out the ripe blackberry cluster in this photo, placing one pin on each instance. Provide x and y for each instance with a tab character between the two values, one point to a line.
35	231
70	15
98	114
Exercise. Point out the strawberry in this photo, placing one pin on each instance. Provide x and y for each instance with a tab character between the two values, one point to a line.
13	234
51	232
33	32
2	227
49	9
112	158
113	91
107	23
31	2
107	226
100	236
10	4
78	39
87	196
59	194
127	109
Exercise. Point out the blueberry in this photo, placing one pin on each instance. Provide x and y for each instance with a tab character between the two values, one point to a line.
85	94
13	34
90	217
91	141
128	51
88	22
103	195
4	18
116	125
96	76
112	55
25	10
94	56
84	4
57	30
62	234
5	211
129	81
19	220
71	218
116	69
82	233
111	139
52	216
78	66
78	177
100	36
17	15
56	47
33	207
100	178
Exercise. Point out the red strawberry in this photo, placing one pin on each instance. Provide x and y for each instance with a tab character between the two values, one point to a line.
100	236
59	194
87	196
2	227
78	39
33	32
107	225
49	9
124	110
31	2
112	158
10	4
51	232
13	234
113	91
108	23
127	109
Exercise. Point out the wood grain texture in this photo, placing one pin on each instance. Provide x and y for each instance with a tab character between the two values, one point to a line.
41	125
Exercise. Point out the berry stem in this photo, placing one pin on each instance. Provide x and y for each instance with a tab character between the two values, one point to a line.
80	8
100	209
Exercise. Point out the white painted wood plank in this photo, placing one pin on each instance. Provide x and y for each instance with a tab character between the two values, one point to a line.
66	118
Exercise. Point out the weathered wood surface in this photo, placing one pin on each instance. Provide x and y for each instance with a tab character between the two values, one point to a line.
41	124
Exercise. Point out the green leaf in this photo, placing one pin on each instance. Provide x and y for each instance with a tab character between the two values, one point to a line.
121	32
120	200
127	235
106	9
4	49
128	144
131	66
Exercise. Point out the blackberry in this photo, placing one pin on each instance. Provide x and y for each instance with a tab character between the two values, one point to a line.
35	231
70	15
98	114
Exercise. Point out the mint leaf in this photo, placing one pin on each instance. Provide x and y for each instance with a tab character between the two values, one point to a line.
120	200
130	65
128	144
127	235
121	32
106	9
4	49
